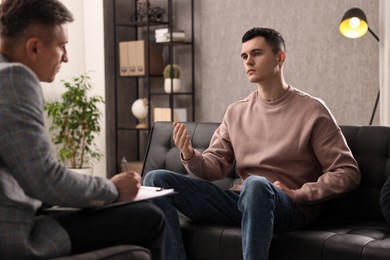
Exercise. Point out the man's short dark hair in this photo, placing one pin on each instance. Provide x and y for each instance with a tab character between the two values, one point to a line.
17	15
272	37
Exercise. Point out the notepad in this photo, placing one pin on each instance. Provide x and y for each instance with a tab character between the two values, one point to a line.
144	193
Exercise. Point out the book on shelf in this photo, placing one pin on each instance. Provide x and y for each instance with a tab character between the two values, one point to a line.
165	35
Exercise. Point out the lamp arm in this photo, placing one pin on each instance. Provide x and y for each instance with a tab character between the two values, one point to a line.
373	34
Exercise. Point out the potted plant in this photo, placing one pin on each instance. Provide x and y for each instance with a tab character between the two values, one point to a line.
172	78
75	123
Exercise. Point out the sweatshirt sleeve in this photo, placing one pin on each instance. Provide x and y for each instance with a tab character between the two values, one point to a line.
340	170
216	161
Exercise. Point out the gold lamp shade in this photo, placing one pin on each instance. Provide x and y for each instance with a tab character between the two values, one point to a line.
354	23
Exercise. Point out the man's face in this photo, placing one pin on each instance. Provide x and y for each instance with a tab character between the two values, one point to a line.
51	55
260	63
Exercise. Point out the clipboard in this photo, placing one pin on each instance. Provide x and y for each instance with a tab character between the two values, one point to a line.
144	193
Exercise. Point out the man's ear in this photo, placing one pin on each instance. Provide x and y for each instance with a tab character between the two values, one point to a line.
282	57
32	48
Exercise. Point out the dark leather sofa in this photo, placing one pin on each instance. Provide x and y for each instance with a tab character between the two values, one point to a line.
350	227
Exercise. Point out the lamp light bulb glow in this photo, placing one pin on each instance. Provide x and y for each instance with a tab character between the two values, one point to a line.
354	22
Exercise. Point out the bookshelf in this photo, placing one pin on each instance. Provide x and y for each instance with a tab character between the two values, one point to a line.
127	21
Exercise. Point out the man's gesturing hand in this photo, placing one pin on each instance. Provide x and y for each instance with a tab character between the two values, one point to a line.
182	140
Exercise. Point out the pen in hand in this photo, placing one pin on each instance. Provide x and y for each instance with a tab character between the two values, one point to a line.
124	164
127	183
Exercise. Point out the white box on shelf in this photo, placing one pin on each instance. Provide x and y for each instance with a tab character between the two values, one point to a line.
164	114
165	35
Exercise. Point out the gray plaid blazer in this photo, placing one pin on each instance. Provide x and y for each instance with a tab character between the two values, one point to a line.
29	175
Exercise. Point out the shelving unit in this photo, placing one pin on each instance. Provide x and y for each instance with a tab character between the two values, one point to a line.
123	138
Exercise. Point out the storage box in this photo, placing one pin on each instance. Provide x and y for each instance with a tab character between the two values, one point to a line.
132	59
123	56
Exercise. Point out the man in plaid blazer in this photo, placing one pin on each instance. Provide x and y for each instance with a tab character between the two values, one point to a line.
33	36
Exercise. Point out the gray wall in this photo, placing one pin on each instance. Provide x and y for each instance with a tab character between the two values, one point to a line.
343	72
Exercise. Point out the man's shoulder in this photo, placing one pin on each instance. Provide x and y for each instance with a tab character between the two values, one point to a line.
18	83
245	100
14	68
313	107
17	75
308	100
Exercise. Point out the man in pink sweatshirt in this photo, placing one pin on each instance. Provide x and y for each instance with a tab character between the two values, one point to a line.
289	152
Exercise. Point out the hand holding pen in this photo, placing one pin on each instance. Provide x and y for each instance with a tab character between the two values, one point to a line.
128	183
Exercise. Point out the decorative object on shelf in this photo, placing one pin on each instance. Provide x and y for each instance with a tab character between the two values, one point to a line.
172	78
140	110
354	25
164	35
76	122
155	13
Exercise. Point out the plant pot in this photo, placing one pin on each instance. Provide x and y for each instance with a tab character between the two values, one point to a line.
176	85
85	171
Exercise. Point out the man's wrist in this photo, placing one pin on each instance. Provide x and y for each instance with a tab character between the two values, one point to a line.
188	156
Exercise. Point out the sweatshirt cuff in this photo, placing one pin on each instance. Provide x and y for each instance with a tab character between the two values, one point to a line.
186	160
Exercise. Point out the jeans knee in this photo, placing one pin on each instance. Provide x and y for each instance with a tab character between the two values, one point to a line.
256	190
159	178
154	178
256	184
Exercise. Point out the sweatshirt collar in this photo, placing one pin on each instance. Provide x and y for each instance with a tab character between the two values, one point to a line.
281	101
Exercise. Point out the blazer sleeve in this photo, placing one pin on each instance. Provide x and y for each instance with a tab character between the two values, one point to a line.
25	149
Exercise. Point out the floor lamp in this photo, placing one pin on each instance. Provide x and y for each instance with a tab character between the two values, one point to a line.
354	25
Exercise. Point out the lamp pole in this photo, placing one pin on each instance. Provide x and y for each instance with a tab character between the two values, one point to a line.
377	96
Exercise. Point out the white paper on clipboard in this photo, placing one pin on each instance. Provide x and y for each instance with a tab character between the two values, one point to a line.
144	193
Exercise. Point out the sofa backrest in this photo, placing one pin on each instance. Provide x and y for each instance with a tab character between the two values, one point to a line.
162	153
369	144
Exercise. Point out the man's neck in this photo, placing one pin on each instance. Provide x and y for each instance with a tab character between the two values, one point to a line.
272	92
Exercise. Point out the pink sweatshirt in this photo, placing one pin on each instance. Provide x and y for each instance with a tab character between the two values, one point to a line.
294	140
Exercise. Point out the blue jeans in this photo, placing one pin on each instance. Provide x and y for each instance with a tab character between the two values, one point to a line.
258	209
